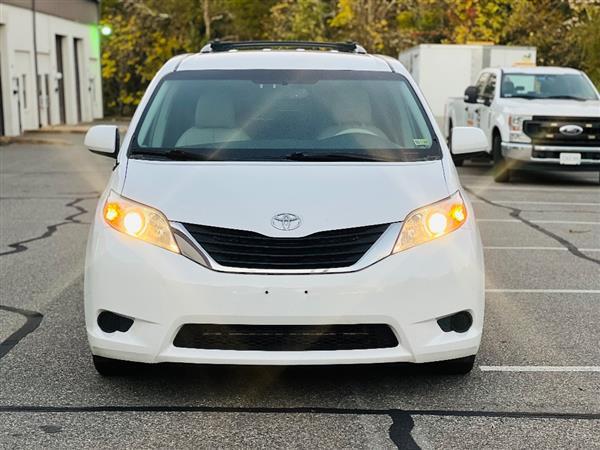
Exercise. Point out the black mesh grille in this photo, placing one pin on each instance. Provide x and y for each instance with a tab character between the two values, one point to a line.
324	250
556	154
285	337
544	130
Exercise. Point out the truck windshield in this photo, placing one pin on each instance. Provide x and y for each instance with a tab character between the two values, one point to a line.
549	86
256	115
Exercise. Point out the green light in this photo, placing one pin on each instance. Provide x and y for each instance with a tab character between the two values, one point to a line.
105	30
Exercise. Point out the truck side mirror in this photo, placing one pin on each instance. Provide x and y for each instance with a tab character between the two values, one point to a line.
103	140
471	94
468	140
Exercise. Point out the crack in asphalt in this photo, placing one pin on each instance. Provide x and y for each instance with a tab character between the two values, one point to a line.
516	213
19	246
302	410
34	319
400	430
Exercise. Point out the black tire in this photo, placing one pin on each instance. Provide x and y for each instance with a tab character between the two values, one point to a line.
108	367
501	171
458	160
460	366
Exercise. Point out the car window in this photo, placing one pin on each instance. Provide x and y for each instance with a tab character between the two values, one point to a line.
547	86
263	114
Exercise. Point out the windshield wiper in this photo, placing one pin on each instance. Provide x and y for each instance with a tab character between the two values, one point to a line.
334	156
172	155
567	97
525	96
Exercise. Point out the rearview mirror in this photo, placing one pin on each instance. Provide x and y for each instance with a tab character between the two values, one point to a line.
468	140
471	94
103	140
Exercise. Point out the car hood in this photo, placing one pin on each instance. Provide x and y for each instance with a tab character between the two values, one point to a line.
559	108
246	196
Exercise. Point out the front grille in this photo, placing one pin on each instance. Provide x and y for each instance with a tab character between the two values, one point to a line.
553	154
285	338
323	250
544	130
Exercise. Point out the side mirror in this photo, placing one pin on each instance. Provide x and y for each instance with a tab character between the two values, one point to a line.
468	140
103	140
471	94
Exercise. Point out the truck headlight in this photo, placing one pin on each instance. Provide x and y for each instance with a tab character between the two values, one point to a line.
431	222
515	125
139	221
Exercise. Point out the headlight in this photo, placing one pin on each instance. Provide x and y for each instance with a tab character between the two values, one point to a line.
139	221
431	222
515	125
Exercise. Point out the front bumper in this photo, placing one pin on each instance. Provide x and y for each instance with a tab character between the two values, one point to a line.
547	156
162	291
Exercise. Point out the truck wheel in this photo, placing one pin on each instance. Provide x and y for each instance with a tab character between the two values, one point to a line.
108	367
460	366
458	160
501	171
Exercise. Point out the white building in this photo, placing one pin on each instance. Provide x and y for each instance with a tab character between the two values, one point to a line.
63	83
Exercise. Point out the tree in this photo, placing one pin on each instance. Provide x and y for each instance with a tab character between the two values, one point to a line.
146	33
367	21
298	20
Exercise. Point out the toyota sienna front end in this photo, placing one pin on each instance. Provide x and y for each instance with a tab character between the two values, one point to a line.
282	207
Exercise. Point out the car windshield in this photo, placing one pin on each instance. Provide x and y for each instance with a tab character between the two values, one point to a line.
551	86
254	115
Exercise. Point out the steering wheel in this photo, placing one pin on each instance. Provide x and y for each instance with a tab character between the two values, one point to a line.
352	131
356	131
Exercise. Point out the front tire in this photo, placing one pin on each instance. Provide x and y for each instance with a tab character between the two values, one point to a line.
460	366
108	367
501	171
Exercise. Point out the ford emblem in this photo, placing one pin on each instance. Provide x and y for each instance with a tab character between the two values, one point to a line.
571	130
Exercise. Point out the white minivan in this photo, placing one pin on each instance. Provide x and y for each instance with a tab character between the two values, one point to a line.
283	203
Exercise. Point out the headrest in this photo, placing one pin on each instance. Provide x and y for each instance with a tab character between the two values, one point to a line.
215	110
353	108
508	87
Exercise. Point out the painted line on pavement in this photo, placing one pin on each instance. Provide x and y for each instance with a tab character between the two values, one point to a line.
539	368
560	249
531	202
545	291
483	187
565	222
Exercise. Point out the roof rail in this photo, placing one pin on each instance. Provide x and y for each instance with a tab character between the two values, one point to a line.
225	46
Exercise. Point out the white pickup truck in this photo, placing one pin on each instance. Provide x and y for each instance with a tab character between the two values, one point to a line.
534	118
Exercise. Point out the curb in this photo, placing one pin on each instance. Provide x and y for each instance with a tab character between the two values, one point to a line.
6	140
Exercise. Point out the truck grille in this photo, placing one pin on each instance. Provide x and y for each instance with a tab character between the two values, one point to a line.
544	130
323	250
285	338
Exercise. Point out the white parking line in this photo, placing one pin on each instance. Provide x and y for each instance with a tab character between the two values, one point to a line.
545	291
483	187
528	202
539	368
560	249
560	222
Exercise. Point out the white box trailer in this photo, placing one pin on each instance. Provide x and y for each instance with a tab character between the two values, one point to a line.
445	70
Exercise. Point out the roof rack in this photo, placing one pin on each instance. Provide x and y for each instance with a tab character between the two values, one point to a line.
225	46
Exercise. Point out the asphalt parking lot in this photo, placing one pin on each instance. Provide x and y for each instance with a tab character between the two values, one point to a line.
536	383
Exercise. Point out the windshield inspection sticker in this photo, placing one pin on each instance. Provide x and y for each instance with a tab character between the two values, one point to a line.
421	142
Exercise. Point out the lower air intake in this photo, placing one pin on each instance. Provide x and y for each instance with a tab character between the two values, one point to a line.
285	338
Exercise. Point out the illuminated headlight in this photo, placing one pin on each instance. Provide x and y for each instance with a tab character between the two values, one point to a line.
431	222
515	125
139	221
